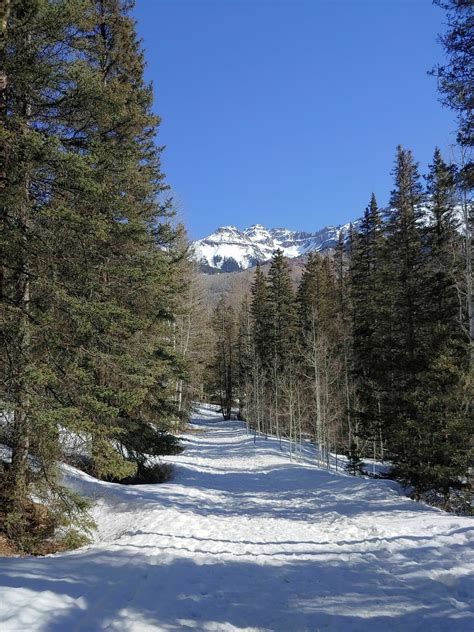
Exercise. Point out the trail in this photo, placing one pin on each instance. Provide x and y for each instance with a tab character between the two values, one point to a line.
244	539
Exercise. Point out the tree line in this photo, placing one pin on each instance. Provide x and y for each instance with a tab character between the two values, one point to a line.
371	353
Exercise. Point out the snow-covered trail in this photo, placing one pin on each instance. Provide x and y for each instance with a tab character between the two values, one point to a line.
245	539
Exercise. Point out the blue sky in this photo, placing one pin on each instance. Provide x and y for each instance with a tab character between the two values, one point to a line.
288	112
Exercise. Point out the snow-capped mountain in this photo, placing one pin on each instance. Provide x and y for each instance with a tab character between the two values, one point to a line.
229	249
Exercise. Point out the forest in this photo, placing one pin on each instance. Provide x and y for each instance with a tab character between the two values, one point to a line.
108	338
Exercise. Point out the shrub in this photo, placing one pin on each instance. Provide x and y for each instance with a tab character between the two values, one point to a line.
149	474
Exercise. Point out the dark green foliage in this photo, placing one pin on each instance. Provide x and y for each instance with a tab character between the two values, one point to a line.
404	279
138	441
282	312
91	268
354	463
372	358
261	319
149	475
368	321
244	354
321	350
456	78
439	458
224	362
316	297
410	356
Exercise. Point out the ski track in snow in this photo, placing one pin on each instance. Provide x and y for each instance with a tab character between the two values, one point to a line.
245	539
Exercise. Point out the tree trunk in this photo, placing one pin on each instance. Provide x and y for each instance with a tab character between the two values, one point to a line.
4	14
21	414
21	421
468	217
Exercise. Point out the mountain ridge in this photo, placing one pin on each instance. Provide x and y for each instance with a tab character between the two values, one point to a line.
229	249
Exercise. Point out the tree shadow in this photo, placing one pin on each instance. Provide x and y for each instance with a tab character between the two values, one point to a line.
129	589
153	580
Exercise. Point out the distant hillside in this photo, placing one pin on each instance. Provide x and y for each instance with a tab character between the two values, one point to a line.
236	284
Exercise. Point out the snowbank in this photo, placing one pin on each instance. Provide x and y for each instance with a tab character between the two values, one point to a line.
245	539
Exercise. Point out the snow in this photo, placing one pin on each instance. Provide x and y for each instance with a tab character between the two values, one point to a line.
230	248
244	538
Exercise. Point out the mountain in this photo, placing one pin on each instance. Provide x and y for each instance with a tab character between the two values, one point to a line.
229	249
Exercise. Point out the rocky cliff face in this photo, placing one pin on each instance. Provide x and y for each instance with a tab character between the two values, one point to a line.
229	249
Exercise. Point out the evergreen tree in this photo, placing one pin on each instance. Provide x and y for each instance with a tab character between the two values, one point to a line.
367	323
282	311
455	79
121	305
405	340
344	322
283	328
37	69
354	463
456	85
443	245
260	310
260	350
91	272
224	366
244	355
444	436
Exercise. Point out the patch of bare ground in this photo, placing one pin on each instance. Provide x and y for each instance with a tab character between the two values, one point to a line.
6	548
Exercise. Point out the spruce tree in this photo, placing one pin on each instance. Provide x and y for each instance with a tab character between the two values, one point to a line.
366	291
119	308
35	166
283	328
261	351
224	361
92	272
406	335
341	257
455	79
244	355
444	435
456	86
260	310
282	311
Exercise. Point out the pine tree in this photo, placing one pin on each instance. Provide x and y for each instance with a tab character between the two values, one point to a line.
283	328
341	256
244	355
260	310
444	436
92	272
456	85
261	351
282	311
121	305
406	338
35	165
224	367
455	78
443	244
366	292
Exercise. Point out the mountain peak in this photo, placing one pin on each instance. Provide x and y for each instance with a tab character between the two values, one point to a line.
229	249
227	229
